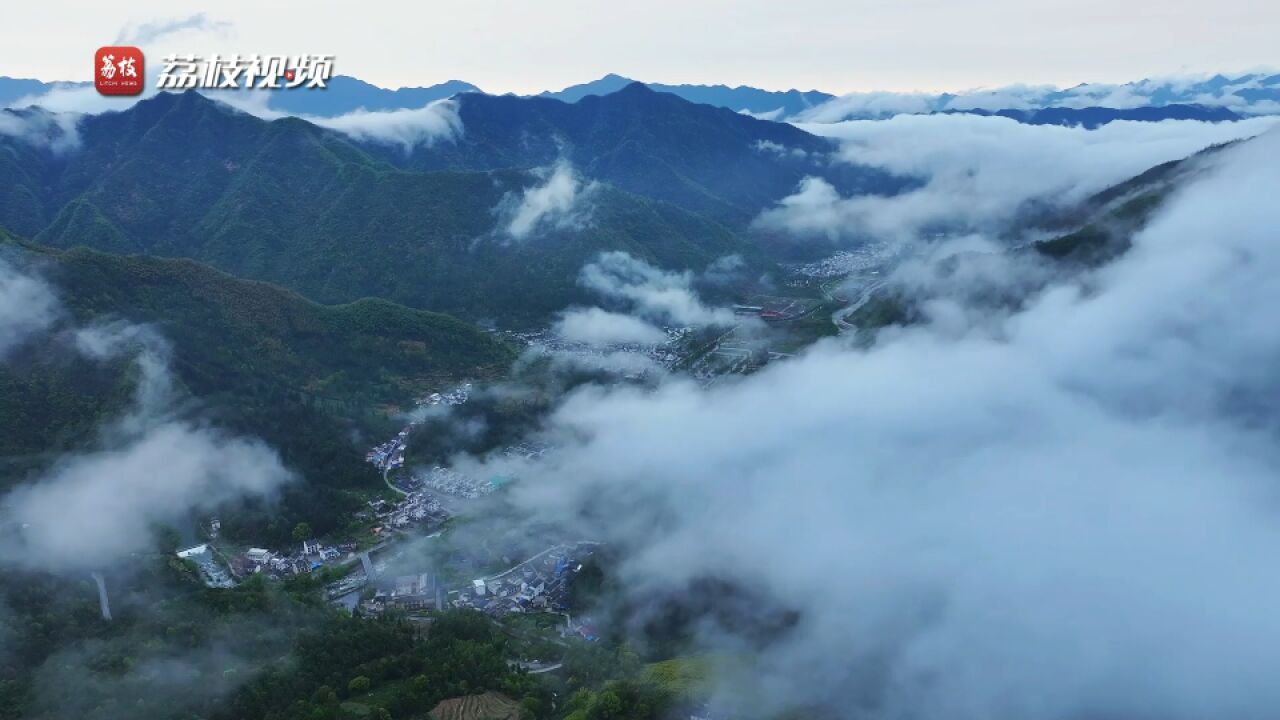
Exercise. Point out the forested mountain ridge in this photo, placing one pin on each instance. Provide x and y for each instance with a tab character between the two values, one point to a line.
301	206
709	160
255	358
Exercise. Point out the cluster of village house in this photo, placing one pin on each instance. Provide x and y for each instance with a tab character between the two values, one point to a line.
456	396
451	482
843	262
414	509
390	454
312	556
538	584
212	573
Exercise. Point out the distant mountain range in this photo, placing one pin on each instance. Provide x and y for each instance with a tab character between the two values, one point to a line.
773	104
1243	95
179	175
1094	117
708	160
347	94
1247	94
19	92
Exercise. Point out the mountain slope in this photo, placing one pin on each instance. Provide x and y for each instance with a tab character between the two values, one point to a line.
258	359
1102	227
708	160
291	203
1087	235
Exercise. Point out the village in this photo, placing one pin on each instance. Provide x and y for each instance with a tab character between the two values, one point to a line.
390	455
538	584
363	580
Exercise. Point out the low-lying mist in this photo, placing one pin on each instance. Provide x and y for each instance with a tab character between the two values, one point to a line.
1066	510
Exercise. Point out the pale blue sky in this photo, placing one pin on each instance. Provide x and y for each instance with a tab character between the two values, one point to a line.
833	45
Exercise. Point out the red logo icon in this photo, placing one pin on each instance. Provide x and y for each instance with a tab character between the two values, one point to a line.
118	70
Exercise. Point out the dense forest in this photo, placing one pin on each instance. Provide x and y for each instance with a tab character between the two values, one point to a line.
179	175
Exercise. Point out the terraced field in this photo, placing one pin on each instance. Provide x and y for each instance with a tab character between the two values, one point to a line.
489	706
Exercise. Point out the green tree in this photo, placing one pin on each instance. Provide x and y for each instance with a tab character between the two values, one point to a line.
167	539
301	532
359	684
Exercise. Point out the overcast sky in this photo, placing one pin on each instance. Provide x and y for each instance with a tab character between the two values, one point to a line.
833	45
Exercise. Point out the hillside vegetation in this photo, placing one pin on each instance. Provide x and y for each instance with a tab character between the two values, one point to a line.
258	359
285	201
709	160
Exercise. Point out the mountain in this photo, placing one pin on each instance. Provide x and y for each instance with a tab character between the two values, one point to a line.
1086	235
1102	226
779	104
258	359
1092	118
288	202
1246	95
606	85
13	91
347	94
708	160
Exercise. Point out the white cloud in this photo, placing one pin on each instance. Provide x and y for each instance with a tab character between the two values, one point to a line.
814	209
594	326
978	171
869	105
28	306
1073	514
151	32
561	200
768	146
409	128
94	507
611	361
1197	89
657	294
1109	96
83	99
1012	97
436	122
37	127
775	114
